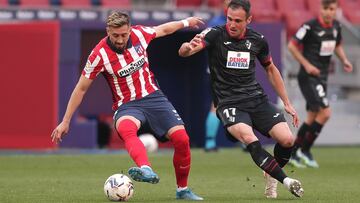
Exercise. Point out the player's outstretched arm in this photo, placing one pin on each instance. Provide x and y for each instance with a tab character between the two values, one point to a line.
171	27
339	50
277	82
76	97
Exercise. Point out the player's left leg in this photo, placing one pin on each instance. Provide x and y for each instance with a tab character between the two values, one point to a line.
282	153
127	127
182	161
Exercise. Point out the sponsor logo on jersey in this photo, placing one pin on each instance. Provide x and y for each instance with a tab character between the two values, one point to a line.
132	67
227	43
300	34
238	60
87	68
327	47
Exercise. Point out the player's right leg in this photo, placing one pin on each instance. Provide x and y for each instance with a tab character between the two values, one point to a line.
127	127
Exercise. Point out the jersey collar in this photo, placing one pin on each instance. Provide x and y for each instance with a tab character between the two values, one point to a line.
116	50
323	24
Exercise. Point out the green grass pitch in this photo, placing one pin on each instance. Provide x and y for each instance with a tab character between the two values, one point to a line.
226	176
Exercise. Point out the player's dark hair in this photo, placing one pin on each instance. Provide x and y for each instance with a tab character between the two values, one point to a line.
117	19
326	3
244	4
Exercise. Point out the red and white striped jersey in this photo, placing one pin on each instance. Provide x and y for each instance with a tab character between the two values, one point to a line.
127	73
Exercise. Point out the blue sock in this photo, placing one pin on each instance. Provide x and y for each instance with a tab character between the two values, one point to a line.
212	126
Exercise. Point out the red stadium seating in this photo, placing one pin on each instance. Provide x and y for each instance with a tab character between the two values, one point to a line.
188	3
3	3
265	11
351	10
347	4
34	3
288	6
314	6
215	3
295	19
116	3
76	4
294	13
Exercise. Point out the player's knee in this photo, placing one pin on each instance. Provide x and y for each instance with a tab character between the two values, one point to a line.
325	114
248	139
180	138
126	127
287	141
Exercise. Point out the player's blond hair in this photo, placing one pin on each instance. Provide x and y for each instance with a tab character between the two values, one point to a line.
117	19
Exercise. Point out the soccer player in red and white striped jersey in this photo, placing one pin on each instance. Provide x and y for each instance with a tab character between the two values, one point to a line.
137	100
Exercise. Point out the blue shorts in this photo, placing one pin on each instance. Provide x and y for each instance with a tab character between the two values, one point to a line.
154	111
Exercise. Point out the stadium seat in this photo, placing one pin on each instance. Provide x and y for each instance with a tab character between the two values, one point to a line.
295	19
3	3
265	11
34	3
351	10
188	3
288	6
76	4
314	6
215	3
115	3
346	4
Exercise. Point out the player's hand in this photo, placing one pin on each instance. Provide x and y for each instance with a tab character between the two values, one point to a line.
291	110
312	70
196	41
348	66
195	22
61	130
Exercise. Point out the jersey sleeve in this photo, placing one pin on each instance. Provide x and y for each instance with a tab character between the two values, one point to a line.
301	34
149	33
264	55
210	35
93	66
339	36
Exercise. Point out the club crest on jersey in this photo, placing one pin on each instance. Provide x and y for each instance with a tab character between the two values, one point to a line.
139	49
132	67
238	60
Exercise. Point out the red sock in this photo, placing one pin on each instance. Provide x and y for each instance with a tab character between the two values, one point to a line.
182	156
136	149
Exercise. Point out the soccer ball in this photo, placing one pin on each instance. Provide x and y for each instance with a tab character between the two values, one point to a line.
149	142
118	187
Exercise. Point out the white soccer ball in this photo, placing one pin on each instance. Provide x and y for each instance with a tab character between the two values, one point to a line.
118	187
149	142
